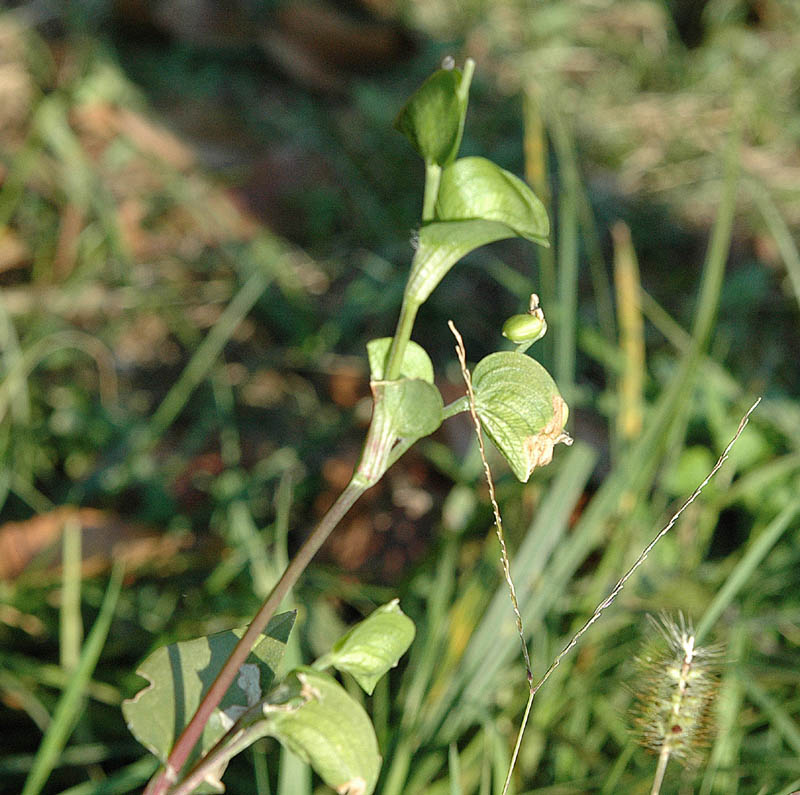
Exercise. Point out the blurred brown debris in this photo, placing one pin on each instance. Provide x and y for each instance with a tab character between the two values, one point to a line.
106	537
315	43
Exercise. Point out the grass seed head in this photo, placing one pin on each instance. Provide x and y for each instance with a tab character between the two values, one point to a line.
676	684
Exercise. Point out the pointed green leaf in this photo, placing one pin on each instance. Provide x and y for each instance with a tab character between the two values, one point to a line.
372	646
433	117
331	731
474	187
441	244
179	675
521	409
416	362
413	406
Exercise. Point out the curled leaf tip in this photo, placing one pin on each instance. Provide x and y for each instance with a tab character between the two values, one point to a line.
539	446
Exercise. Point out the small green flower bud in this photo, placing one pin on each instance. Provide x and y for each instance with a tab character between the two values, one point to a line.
524	328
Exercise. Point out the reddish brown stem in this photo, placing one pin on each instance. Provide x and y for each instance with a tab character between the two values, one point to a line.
191	733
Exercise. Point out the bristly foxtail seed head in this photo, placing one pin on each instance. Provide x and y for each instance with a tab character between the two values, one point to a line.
674	694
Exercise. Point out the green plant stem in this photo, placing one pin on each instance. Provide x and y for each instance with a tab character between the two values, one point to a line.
515	754
658	780
458	406
374	461
410	306
193	730
221	754
433	176
402	334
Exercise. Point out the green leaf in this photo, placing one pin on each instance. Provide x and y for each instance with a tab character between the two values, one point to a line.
330	730
443	243
433	118
372	646
416	362
474	187
521	409
179	675
414	407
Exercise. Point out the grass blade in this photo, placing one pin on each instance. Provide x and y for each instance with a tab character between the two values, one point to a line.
127	780
71	623
758	550
71	702
780	232
207	353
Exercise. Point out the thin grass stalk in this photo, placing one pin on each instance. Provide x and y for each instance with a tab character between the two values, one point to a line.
633	475
661	770
611	785
597	265
717	255
498	521
454	770
12	358
15	382
260	769
294	775
486	653
425	655
617	589
24	696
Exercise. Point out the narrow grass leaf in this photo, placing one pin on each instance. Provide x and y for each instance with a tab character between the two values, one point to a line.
568	253
720	773
70	621
779	718
493	642
124	781
630	386
71	702
780	232
454	769
207	352
753	556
